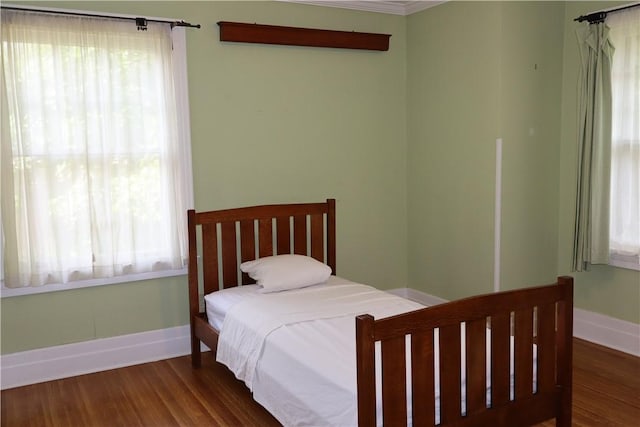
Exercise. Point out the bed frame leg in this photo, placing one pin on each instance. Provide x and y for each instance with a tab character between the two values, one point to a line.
563	421
196	355
565	351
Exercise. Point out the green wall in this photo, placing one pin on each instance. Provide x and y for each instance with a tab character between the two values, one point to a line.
404	140
453	121
478	71
269	124
531	70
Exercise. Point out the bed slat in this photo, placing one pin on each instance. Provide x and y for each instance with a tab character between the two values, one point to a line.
283	234
500	359
546	349
317	240
247	245
422	379
476	361
209	258
523	353
300	234
331	234
394	393
265	237
229	254
450	408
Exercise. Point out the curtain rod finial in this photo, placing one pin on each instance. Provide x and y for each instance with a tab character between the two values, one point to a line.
141	23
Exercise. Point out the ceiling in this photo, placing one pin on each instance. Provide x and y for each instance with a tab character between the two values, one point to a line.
394	7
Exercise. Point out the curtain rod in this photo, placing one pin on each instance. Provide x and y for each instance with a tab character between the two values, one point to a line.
597	17
141	23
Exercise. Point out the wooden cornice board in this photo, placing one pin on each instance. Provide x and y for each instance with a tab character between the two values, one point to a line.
272	34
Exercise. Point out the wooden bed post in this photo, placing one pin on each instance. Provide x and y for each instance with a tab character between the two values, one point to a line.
194	302
565	351
366	374
331	234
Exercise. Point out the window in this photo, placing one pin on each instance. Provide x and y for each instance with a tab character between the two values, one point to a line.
625	149
96	167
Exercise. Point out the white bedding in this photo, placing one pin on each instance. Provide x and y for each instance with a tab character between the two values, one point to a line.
323	354
218	303
297	355
305	370
249	323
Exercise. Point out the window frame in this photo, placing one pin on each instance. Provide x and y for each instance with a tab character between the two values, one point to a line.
631	262
178	37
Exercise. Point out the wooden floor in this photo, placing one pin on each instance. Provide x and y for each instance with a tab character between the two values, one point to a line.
171	393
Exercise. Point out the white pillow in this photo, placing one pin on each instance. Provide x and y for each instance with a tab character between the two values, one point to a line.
282	272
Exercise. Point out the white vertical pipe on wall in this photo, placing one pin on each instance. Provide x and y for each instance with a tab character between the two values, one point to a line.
498	217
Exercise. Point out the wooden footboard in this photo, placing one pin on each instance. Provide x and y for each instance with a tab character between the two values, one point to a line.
530	327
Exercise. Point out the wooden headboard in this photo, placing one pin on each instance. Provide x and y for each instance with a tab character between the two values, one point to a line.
232	236
219	241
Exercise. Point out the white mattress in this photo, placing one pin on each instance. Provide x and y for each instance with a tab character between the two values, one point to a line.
218	303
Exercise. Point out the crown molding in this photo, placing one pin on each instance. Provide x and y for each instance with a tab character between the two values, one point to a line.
416	6
403	8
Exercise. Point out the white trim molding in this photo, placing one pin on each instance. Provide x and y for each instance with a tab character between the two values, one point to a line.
80	284
632	262
417	296
392	7
608	331
63	361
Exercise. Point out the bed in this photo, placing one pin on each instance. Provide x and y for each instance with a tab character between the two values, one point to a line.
368	357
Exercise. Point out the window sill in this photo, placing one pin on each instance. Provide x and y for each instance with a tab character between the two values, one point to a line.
31	290
625	261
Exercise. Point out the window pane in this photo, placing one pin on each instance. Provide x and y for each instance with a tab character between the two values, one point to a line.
625	153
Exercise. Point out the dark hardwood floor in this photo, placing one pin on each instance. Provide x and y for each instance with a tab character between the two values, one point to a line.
171	393
606	387
163	393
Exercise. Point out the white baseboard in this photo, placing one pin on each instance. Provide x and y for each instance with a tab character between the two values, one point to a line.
51	363
608	331
597	328
417	296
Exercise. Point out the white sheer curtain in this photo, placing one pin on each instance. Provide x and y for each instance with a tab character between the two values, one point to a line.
625	153
95	183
